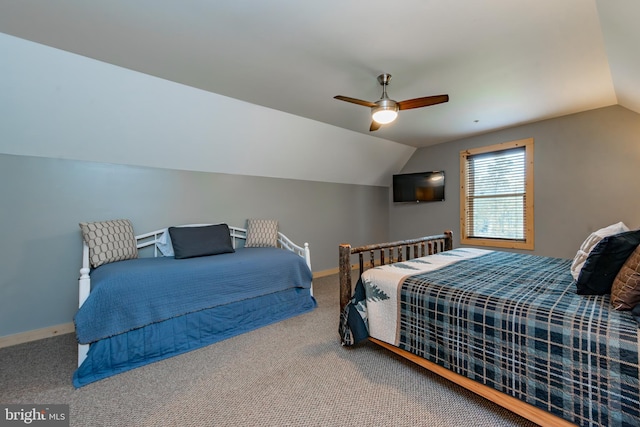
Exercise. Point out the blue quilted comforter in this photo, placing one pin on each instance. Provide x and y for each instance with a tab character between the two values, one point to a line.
130	294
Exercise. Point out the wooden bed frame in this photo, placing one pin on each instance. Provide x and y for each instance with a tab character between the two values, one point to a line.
152	239
414	248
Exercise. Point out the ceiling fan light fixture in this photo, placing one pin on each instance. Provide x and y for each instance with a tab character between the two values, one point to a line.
384	116
385	112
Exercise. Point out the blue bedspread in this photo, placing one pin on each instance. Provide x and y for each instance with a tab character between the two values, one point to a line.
178	335
131	294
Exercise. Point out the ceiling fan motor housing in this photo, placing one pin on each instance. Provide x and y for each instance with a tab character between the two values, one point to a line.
386	109
384	79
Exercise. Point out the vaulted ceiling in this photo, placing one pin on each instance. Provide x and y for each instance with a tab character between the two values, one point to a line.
502	62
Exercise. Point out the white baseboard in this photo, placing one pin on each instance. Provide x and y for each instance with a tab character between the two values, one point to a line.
36	334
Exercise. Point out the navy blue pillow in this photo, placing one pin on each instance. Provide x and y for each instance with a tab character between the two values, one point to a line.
191	242
604	262
635	312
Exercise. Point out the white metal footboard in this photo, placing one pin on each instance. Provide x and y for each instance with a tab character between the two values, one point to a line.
154	238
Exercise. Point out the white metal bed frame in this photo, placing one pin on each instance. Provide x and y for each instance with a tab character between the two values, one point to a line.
153	238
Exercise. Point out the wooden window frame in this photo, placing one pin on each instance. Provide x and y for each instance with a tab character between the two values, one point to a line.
528	241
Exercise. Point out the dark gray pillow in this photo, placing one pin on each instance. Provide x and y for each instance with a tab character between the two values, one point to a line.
191	242
635	312
605	261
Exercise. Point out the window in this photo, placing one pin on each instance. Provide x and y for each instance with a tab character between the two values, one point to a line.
496	195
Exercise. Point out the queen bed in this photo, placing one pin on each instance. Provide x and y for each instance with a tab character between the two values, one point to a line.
510	327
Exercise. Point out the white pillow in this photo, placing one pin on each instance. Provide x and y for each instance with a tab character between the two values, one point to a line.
591	242
164	243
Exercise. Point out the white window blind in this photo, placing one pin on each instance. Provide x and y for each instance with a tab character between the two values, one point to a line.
496	196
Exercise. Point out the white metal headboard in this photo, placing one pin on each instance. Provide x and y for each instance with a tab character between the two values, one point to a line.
154	238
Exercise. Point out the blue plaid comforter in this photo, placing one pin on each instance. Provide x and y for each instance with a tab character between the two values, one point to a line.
515	323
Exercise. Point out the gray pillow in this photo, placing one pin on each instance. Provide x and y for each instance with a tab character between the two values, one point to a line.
262	233
109	241
191	242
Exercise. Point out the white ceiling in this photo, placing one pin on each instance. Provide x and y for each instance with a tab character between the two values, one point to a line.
502	62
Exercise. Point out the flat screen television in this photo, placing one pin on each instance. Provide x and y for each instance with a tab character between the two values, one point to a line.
418	187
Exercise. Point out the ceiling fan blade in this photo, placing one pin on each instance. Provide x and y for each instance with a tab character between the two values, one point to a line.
374	126
355	101
422	102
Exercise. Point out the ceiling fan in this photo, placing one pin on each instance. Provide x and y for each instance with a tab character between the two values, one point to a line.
385	110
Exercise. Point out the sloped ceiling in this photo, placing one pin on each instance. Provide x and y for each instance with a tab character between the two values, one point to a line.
619	21
502	62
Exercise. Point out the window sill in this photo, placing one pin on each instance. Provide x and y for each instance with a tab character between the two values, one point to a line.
498	243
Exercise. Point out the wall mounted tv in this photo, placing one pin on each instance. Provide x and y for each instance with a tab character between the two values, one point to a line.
418	187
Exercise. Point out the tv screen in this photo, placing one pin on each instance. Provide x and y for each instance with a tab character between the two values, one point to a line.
418	187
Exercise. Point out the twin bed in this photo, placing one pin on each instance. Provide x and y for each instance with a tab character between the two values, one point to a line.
510	327
220	282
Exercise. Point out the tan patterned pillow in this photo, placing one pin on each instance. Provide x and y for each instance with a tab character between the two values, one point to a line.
625	292
261	233
109	241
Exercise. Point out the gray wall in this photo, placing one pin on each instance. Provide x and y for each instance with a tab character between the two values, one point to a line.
587	170
44	199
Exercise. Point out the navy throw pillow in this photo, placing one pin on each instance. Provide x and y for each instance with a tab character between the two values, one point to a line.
191	242
604	262
635	312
